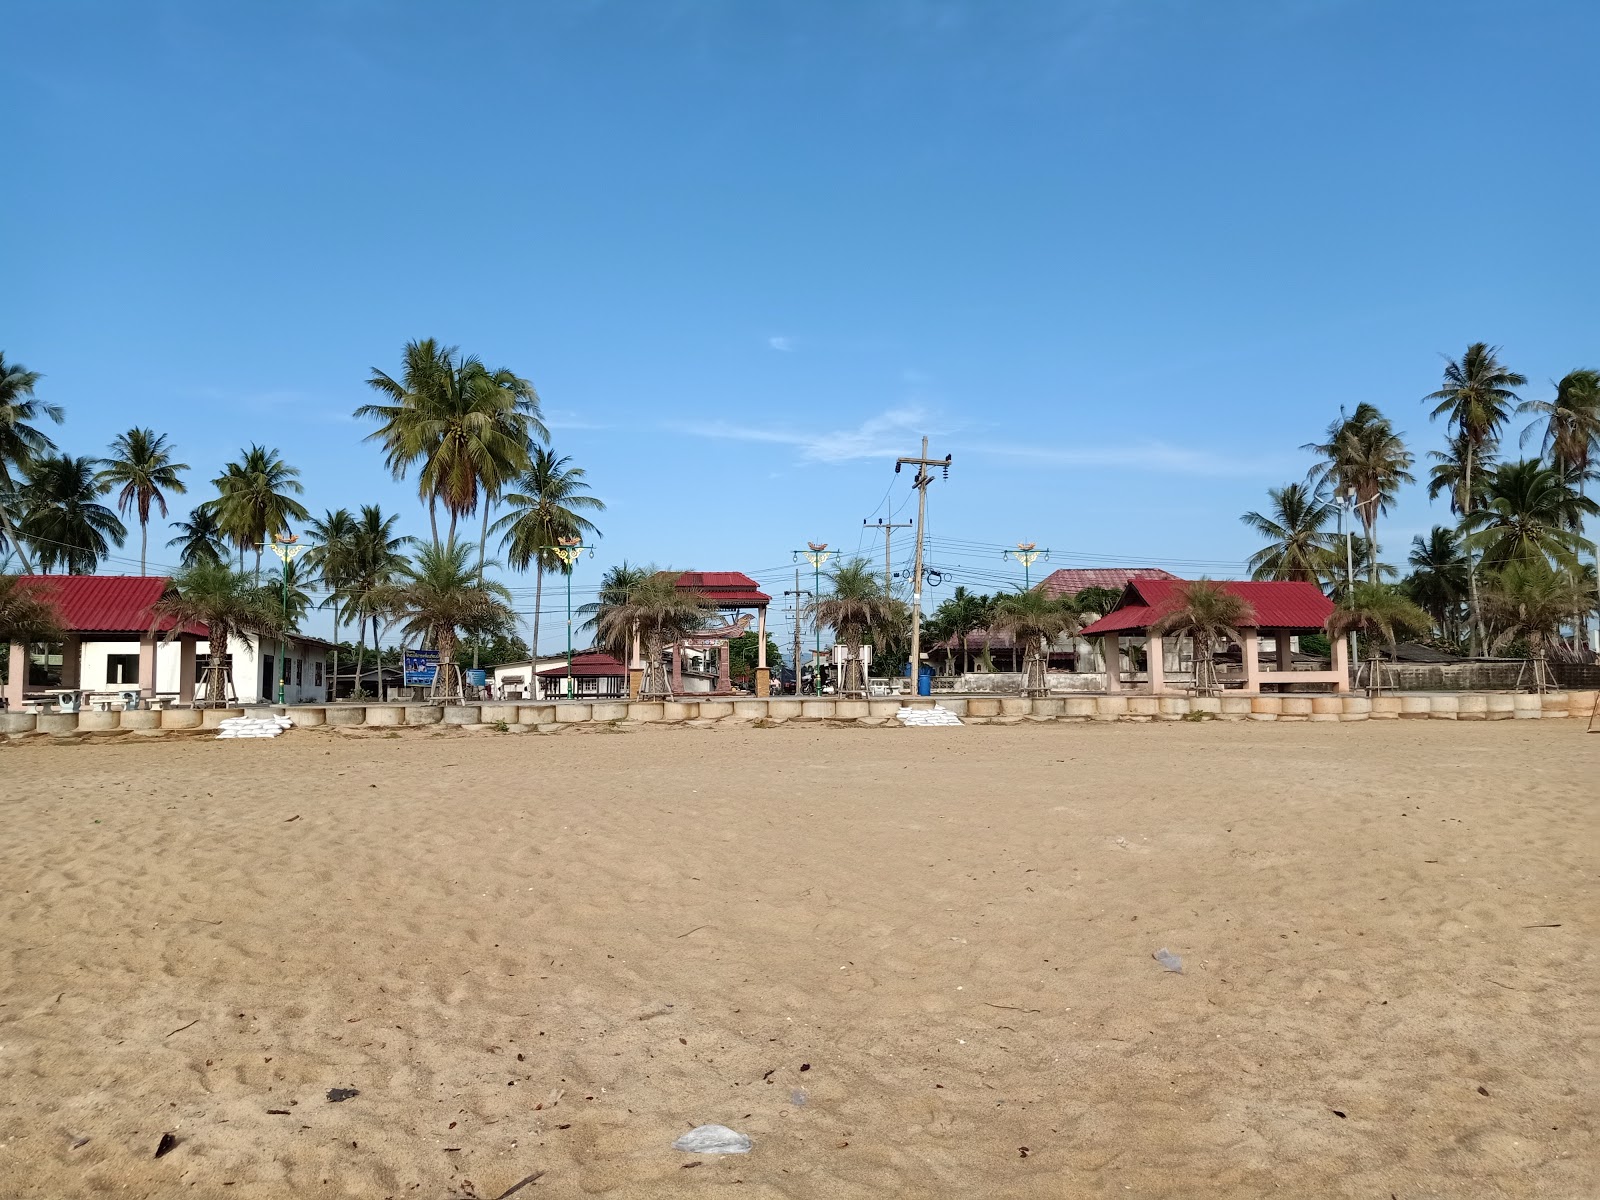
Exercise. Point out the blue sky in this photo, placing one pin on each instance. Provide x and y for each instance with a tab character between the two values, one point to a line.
1120	258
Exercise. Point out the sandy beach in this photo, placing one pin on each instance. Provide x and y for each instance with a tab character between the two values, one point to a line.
904	962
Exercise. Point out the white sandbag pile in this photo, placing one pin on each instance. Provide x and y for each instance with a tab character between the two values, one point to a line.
252	727
937	715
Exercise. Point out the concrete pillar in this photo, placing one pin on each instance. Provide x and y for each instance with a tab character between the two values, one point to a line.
1251	650
724	667
1111	651
147	666
1155	653
677	669
186	647
17	676
1341	662
72	662
1280	639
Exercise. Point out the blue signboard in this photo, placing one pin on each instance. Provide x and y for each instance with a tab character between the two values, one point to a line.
477	677
420	666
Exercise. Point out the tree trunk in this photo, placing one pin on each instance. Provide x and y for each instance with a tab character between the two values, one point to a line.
450	538
433	519
1474	624
1370	524
144	543
538	603
258	564
361	654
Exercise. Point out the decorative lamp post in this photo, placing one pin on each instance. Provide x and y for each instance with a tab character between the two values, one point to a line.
816	556
568	550
1027	554
287	547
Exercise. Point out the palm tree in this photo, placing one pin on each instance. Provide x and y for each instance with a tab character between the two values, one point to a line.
231	607
1298	543
961	616
1476	400
28	613
331	557
438	599
62	519
1528	511
544	509
1572	434
200	538
256	498
1033	619
661	613
1450	470
21	441
141	466
854	607
1438	579
616	585
289	593
1527	600
1210	615
469	428
1380	613
1365	460
377	559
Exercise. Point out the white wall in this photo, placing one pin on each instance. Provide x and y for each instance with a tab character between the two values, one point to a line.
247	658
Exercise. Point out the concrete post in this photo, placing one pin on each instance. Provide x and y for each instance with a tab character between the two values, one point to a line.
1111	651
72	662
677	669
763	672
17	677
147	666
1251	650
1155	653
724	667
186	646
1341	662
1280	638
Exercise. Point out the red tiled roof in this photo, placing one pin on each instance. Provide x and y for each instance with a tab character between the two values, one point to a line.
587	665
1069	581
104	603
727	589
1277	605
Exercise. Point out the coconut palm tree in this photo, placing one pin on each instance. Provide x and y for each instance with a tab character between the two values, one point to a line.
27	612
1379	613
1476	399
1438	579
1367	461
854	607
256	498
231	607
376	561
142	470
62	517
656	610
467	427
1450	470
1210	615
289	593
1527	600
331	559
1528	511
21	441
1033	620
960	616
544	508
200	538
616	585
438	598
1572	434
1299	545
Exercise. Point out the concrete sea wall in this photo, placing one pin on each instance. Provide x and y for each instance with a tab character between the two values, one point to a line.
974	710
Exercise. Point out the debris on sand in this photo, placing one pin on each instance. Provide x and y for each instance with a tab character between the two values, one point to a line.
713	1139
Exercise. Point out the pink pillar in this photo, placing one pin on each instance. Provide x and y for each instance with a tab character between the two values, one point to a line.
677	669
1155	653
1251	651
1341	662
724	667
17	679
1285	655
1111	652
186	671
763	672
147	666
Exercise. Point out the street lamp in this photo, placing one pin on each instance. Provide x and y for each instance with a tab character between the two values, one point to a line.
568	550
816	556
1026	553
288	547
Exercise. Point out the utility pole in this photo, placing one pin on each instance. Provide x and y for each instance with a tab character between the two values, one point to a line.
888	528
797	593
921	483
1026	554
816	556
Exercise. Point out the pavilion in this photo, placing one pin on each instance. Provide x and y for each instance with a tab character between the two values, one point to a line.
1281	610
730	592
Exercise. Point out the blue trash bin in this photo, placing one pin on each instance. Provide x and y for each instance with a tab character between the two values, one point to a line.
924	679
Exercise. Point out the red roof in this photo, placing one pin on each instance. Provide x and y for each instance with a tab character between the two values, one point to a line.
1069	581
587	665
726	589
1277	605
104	603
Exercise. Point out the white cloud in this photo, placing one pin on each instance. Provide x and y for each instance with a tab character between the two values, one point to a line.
887	435
786	344
1155	457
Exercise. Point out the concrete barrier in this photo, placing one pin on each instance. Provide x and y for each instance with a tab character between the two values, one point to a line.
1206	704
850	710
18	724
1416	708
983	706
571	714
883	708
1472	708
140	718
1046	708
1356	708
744	710
384	715
1553	704
210	718
1444	708
424	714
305	716
95	721
646	710
1294	708
1327	708
488	714
461	714
1581	704
1078	708
784	710
56	722
607	710
677	711
1266	708
1015	706
1501	707
536	714
180	718
1173	708
1385	708
1235	708
1110	708
819	710
345	716
952	704
1527	708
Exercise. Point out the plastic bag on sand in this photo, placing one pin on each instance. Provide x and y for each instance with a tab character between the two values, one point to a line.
712	1139
1168	960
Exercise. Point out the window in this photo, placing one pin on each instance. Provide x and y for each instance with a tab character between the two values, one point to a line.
299	672
122	668
319	674
44	665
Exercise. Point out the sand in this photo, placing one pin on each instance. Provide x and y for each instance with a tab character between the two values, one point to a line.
905	962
